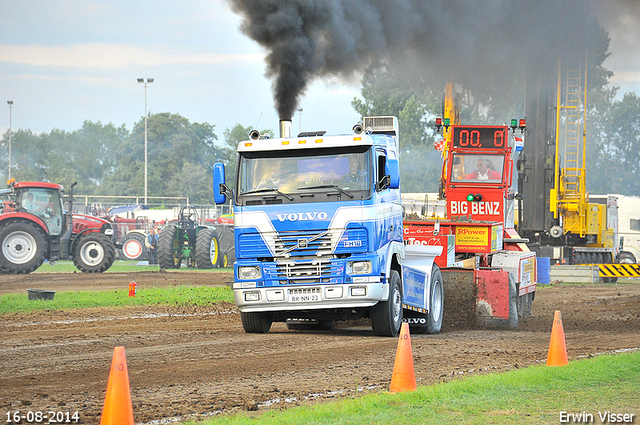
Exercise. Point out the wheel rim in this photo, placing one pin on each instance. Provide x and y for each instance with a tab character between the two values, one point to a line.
436	300
19	247
175	247
92	253
397	304
213	251
132	249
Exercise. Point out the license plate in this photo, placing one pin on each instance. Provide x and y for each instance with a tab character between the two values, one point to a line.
304	298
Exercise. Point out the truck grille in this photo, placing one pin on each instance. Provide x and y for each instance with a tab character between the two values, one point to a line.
305	271
303	243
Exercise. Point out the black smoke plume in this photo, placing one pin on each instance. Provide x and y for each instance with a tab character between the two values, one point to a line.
470	41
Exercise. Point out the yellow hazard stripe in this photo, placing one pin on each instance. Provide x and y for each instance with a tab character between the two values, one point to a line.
619	270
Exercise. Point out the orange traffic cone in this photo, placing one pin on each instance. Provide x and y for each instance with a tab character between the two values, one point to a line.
557	349
404	377
117	408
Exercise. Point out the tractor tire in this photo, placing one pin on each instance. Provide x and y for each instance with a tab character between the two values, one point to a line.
256	323
207	249
167	247
223	261
134	247
93	253
24	247
386	316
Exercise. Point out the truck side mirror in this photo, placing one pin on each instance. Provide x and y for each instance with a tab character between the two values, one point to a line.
220	190
393	171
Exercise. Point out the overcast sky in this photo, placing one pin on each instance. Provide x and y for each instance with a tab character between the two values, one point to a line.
66	61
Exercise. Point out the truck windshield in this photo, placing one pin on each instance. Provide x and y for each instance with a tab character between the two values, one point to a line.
305	171
477	168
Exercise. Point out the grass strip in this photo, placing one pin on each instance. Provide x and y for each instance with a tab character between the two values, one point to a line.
119	266
535	395
190	295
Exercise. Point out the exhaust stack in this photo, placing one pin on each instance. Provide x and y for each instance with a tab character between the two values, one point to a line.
286	129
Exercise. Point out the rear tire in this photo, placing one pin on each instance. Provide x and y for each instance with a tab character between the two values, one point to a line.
24	247
436	304
386	316
512	322
167	249
256	323
207	249
93	253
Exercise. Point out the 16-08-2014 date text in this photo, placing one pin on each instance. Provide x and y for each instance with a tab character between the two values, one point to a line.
42	417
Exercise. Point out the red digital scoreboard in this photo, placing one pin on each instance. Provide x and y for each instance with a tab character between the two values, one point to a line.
480	137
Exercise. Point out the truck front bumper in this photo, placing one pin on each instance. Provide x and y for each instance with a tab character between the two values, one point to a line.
310	297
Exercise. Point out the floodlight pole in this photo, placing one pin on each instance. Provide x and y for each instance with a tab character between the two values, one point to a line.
10	103
148	81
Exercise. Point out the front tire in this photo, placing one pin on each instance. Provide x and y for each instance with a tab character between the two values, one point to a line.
24	247
626	257
386	316
256	323
93	253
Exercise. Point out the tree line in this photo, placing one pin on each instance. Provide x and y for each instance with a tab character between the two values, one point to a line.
107	160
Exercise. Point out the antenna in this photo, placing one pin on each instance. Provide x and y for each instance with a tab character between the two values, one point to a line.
259	120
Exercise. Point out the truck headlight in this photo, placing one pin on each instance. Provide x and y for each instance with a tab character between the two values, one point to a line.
108	232
249	272
359	267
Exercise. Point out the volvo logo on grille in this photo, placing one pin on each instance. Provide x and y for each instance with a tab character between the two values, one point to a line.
303	216
302	243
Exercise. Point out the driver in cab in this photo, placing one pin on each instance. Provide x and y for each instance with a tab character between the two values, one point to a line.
484	172
28	203
356	174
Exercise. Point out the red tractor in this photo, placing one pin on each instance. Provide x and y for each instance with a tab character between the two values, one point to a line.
35	227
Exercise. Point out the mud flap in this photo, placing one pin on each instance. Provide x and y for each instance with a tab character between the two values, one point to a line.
493	294
496	302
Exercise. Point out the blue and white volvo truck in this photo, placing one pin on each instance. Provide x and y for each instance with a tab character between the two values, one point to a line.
319	236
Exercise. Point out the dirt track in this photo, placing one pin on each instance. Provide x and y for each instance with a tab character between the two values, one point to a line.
186	360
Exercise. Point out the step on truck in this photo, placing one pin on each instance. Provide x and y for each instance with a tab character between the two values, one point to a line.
318	233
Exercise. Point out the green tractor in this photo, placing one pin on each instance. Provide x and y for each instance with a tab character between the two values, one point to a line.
185	240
